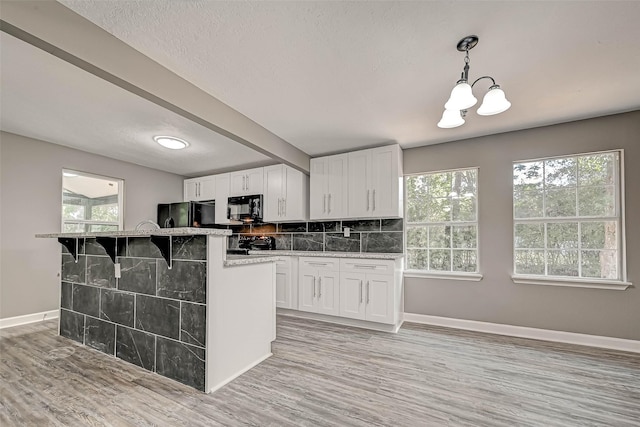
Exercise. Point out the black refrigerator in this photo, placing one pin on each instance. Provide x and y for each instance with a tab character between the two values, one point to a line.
186	214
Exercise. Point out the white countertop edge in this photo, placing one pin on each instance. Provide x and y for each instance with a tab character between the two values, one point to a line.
362	255
182	231
247	260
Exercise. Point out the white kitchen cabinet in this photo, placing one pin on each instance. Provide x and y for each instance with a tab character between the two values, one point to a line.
368	290
247	182
197	189
319	285
286	283
375	182
222	196
286	194
328	185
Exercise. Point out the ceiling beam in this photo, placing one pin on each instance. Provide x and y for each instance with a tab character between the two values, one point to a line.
52	27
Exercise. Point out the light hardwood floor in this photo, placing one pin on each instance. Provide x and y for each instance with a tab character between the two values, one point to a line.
328	375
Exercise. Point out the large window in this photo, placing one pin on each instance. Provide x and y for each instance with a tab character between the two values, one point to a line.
442	222
567	217
90	202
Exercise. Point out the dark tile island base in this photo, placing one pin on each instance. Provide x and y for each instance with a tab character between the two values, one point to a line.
158	318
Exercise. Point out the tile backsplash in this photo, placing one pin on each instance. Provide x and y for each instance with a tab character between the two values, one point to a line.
370	235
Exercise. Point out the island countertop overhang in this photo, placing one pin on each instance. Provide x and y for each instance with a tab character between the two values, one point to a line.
183	231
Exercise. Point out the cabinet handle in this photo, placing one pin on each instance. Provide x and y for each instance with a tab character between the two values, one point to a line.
244	179
248	182
374	200
360	291
329	204
279	209
319	287
284	207
367	292
368	199
314	287
317	263
324	203
364	266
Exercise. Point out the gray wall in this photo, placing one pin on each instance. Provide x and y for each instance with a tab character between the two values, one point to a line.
30	189
496	298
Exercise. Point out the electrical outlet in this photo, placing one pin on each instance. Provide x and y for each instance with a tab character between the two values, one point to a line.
347	232
117	270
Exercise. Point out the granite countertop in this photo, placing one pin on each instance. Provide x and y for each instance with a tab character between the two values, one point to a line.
361	255
250	259
181	231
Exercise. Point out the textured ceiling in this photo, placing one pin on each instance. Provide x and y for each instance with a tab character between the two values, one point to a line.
330	76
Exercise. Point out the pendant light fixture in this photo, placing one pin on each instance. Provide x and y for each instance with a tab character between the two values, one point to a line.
461	99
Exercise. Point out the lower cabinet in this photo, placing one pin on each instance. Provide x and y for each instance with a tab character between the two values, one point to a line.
319	285
367	297
287	283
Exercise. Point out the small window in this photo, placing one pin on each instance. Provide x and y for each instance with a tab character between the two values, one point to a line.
91	203
567	217
442	222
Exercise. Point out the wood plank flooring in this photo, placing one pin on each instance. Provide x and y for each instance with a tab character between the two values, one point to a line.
329	375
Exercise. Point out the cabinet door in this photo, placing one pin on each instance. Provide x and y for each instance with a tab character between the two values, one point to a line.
295	195
207	188
352	295
318	188
255	181
379	298
359	184
283	284
273	204
337	176
238	183
386	181
190	190
328	293
222	196
307	291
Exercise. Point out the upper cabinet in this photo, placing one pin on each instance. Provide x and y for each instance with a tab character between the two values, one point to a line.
197	189
247	182
286	194
222	198
375	182
328	192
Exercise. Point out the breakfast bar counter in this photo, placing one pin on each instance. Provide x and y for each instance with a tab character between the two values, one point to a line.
169	301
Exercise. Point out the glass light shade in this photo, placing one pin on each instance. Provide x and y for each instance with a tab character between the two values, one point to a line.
494	102
451	119
461	97
171	142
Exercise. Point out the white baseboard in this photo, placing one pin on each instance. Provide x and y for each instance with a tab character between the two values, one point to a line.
344	321
29	318
525	332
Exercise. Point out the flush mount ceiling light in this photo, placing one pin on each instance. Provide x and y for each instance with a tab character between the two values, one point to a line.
461	99
171	142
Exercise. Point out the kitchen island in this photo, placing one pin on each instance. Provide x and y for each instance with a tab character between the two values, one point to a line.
168	301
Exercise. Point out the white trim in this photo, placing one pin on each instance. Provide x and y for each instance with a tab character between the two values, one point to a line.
237	374
615	285
419	274
344	321
526	332
29	318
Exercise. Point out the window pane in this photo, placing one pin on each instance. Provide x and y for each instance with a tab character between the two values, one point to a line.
527	175
417	237
597	201
529	262
464	261
99	227
560	172
560	202
439	210
529	236
597	169
527	203
562	262
463	208
439	236
464	236
440	259
105	212
464	183
600	264
417	198
417	259
599	235
562	235
72	211
73	228
439	184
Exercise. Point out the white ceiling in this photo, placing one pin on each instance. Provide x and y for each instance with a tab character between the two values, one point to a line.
334	76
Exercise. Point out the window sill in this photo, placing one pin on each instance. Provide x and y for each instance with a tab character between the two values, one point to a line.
473	277
572	283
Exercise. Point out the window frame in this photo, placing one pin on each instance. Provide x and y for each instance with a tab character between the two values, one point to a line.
119	224
444	274
568	281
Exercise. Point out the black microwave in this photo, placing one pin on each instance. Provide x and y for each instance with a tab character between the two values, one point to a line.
245	208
